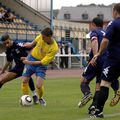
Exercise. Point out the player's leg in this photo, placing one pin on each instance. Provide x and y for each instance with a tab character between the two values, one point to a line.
40	73
32	88
95	98
116	98
88	74
8	76
109	74
26	75
25	85
40	90
97	89
102	98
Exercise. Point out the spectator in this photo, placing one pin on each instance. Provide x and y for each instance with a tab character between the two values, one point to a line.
8	16
2	12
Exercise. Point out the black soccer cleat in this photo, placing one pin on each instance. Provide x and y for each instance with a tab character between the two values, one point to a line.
91	110
97	114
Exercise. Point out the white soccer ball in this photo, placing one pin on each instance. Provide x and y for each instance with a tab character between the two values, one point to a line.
26	100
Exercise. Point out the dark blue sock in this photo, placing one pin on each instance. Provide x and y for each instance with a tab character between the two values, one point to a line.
102	98
85	88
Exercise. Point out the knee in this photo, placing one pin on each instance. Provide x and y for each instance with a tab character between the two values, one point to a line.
105	83
84	81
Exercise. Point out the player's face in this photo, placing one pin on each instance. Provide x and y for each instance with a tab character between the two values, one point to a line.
48	40
7	43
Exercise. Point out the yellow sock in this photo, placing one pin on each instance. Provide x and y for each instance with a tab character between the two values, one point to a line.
25	88
40	91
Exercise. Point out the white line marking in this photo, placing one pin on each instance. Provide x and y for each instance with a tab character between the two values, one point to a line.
106	116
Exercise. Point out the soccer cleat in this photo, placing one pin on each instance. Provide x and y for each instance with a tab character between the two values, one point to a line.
99	115
91	110
115	99
85	100
42	102
35	99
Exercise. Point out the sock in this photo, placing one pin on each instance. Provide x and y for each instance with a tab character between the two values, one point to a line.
31	84
40	91
102	98
85	88
25	89
115	85
95	98
34	93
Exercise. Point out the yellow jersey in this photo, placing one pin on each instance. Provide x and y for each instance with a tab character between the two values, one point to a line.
43	51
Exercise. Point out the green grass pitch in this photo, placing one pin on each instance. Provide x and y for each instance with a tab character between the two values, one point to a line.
62	96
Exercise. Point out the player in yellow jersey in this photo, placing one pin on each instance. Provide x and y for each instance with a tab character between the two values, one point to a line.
43	52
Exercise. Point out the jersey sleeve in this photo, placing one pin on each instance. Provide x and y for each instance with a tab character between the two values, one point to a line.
110	30
93	35
50	56
37	38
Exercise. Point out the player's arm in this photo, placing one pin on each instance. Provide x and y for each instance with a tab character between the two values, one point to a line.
103	46
45	61
25	61
94	45
30	44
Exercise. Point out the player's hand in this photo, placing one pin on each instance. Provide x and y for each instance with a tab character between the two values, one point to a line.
26	61
27	45
93	61
23	58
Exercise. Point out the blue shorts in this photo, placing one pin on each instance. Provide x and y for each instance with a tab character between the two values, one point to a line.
39	70
91	72
111	70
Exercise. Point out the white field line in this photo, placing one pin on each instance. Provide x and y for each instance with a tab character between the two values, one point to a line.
106	116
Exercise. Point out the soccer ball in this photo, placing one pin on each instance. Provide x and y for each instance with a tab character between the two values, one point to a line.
26	100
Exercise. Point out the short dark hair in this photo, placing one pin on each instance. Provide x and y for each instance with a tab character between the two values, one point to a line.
117	7
5	37
47	32
98	21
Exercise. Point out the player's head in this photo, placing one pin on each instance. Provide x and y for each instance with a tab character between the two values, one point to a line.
47	34
97	22
116	10
6	40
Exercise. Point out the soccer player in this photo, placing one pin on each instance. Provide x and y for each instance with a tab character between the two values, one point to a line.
44	51
111	67
14	52
94	70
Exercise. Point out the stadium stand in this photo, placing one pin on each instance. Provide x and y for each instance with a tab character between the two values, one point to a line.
19	28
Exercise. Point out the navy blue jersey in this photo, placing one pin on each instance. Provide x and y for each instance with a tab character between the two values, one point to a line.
15	52
113	35
99	34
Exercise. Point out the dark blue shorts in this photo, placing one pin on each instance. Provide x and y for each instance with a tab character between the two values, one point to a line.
111	70
18	70
91	72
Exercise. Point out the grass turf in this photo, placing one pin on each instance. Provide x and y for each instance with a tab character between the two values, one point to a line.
62	96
